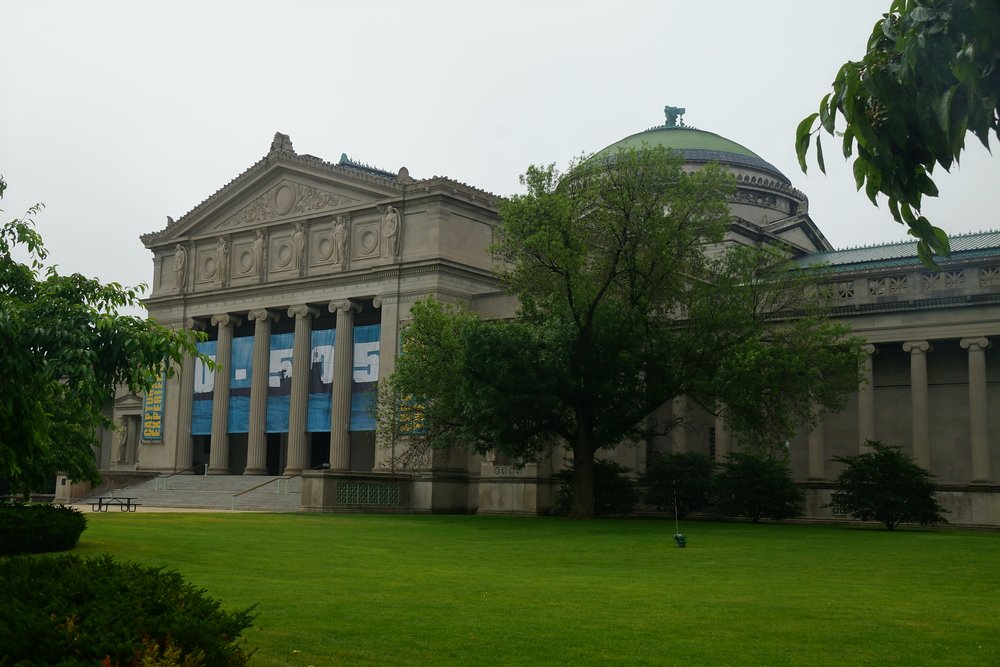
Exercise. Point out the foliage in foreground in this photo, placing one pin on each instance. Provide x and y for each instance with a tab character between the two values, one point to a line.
886	485
32	529
65	350
621	311
72	611
931	75
757	485
614	491
684	478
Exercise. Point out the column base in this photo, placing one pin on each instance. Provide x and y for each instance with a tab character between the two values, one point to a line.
291	471
218	471
255	471
982	482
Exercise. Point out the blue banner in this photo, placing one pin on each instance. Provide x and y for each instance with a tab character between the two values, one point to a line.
364	379
240	375
204	385
279	383
320	380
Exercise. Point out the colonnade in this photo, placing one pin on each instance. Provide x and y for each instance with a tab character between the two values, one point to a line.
297	451
920	409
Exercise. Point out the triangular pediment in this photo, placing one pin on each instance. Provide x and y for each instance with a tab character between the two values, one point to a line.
289	198
289	187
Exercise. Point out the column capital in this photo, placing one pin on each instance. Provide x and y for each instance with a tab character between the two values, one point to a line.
262	314
384	299
302	310
344	305
917	346
971	344
869	349
225	319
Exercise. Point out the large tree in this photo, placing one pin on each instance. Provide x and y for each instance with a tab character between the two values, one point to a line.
64	350
931	76
622	309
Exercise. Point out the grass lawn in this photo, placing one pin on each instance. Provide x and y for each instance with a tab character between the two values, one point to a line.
383	589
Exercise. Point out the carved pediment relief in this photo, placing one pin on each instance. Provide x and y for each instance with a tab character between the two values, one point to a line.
286	199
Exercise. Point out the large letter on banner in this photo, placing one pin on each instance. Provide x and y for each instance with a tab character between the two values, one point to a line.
152	411
239	384
204	385
364	383
320	380
279	382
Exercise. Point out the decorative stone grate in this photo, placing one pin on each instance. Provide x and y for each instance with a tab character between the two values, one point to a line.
507	471
837	505
887	285
356	493
942	280
989	276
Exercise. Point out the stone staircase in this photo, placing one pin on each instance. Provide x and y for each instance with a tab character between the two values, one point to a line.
215	492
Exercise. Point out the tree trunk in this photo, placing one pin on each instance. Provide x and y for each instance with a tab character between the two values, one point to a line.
582	506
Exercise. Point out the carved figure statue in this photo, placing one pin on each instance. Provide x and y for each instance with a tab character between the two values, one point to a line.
340	236
391	228
222	260
299	244
673	115
180	266
123	439
258	253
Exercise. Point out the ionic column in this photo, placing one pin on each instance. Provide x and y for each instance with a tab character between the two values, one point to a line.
218	458
978	424
678	433
918	350
184	454
299	405
257	436
866	400
817	448
723	439
343	369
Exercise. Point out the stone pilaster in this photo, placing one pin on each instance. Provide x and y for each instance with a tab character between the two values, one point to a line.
219	448
257	436
299	408
723	439
679	433
184	456
918	350
866	399
817	448
978	416
343	370
388	346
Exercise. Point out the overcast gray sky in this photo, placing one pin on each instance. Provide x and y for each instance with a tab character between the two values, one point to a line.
118	114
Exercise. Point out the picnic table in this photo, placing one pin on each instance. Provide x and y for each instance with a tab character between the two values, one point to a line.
124	503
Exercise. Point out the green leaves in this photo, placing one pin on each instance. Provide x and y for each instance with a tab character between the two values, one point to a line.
66	350
931	74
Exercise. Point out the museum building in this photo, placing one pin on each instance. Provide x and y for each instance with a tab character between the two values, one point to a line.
302	272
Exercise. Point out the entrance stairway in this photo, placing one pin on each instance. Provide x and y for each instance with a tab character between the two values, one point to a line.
256	493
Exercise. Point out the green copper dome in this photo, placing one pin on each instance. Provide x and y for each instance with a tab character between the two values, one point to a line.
697	146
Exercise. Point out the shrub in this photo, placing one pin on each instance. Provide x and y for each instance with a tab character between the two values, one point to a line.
886	485
614	491
691	474
28	529
71	611
757	486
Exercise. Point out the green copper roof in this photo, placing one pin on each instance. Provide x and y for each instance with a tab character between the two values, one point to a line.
902	253
697	146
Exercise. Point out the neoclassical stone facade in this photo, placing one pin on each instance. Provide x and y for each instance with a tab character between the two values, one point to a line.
302	273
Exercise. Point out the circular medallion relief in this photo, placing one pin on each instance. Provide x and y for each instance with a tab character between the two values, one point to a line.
246	261
209	267
284	254
325	249
284	199
369	242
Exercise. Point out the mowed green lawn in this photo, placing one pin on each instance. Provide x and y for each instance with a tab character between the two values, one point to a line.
378	589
